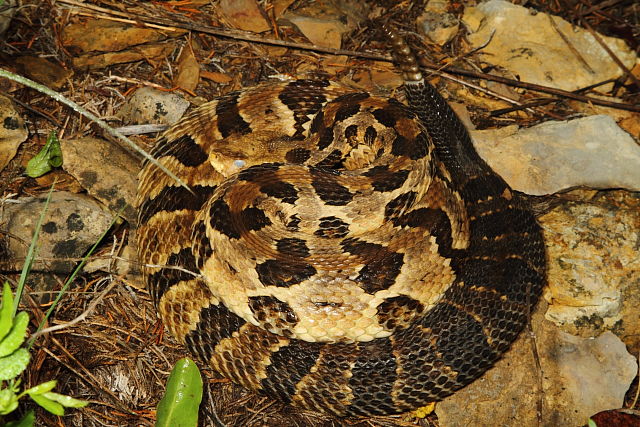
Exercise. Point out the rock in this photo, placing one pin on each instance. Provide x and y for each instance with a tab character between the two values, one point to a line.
594	268
437	24
72	224
123	264
585	376
554	156
244	14
580	376
12	132
43	71
148	105
528	45
105	170
378	75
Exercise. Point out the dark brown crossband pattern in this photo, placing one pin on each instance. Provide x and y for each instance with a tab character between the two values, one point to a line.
276	272
382	179
382	268
332	227
175	198
337	251
328	187
304	98
229	119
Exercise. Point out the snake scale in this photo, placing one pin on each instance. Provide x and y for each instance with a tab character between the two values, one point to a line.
338	251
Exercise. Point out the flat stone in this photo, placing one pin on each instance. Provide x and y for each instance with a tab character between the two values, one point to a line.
152	53
105	170
103	35
149	105
554	156
594	268
437	24
43	71
579	377
72	224
12	132
529	45
324	22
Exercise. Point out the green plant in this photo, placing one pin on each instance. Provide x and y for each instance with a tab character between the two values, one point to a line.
48	158
179	406
14	358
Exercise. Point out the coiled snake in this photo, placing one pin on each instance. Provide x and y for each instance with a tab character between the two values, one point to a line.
352	254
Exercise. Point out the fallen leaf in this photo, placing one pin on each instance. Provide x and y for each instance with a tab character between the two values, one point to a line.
151	53
216	77
101	35
188	74
244	14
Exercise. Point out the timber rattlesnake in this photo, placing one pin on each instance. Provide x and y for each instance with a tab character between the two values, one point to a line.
353	255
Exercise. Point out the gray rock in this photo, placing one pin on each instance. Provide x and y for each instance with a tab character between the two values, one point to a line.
579	377
105	170
148	105
554	156
72	224
594	268
7	15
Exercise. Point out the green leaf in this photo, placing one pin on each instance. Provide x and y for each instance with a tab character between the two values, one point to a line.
8	401
6	312
16	336
49	157
66	401
27	421
50	405
179	406
12	365
41	388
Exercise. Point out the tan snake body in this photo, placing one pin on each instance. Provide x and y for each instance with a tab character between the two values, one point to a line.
352	254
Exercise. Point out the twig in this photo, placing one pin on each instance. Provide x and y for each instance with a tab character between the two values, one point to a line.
612	55
35	111
570	45
545	101
532	86
142	129
597	7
